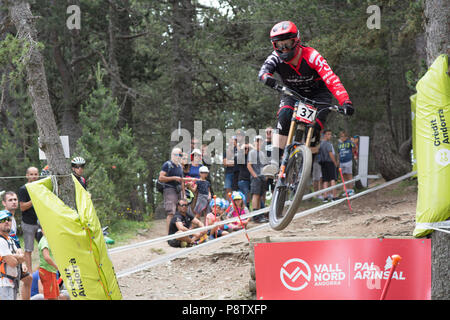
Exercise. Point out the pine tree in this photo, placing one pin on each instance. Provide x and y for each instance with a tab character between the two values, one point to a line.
113	167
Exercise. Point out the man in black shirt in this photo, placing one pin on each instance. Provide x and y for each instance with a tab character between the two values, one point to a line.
29	219
182	221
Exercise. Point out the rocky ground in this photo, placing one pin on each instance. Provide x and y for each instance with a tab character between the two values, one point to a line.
222	270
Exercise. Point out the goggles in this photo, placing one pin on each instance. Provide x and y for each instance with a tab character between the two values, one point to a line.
284	44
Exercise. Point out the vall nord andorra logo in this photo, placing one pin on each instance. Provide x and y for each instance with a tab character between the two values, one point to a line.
295	274
298	276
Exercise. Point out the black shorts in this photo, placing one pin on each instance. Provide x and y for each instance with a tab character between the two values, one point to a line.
287	104
176	243
258	186
328	171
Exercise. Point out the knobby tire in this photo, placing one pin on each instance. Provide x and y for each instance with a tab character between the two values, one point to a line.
297	175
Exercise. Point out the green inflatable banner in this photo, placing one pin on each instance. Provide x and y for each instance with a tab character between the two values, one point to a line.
77	243
432	121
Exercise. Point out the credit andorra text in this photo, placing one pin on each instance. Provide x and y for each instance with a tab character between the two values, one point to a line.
333	274
236	309
440	131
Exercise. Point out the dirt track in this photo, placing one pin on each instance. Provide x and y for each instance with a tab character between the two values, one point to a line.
222	270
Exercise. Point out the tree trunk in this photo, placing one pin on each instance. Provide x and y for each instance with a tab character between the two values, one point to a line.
50	143
437	28
68	120
388	160
182	106
120	56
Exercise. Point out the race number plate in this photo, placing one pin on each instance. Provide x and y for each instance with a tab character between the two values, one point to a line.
306	113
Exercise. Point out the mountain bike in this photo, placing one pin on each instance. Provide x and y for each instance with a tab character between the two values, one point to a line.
295	169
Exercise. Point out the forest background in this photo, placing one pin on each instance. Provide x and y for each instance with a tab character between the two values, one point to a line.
136	70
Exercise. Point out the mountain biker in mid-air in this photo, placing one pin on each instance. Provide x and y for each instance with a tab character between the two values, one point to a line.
305	71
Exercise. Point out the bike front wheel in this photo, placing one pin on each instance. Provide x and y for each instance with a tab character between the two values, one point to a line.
288	192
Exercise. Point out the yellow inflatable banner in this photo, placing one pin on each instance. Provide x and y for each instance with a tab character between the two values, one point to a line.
413	99
77	243
432	124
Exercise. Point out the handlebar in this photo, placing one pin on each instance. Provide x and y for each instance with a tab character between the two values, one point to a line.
285	90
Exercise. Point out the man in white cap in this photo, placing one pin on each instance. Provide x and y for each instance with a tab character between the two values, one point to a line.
10	260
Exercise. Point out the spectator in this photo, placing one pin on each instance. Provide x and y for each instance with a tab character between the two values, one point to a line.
206	156
355	141
345	149
317	170
230	163
77	170
11	259
216	215
29	218
186	165
10	202
195	144
244	174
47	270
240	141
226	207
268	150
256	161
184	221
37	290
203	188
195	164
207	161
171	175
240	210
328	164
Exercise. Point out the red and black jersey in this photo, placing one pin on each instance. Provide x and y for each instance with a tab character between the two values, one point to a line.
312	74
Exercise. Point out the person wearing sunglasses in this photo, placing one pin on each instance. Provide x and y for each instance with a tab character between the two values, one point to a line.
10	202
183	221
78	164
11	259
305	71
171	176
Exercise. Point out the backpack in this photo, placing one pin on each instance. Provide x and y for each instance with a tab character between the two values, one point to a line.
3	264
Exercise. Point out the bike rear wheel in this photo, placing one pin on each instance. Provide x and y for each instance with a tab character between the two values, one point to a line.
288	191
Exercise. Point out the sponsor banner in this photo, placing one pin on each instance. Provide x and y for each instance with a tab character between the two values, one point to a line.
355	269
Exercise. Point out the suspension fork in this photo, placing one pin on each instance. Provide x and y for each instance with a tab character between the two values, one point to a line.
289	140
309	136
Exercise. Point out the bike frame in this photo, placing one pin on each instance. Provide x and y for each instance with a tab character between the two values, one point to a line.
293	127
289	141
